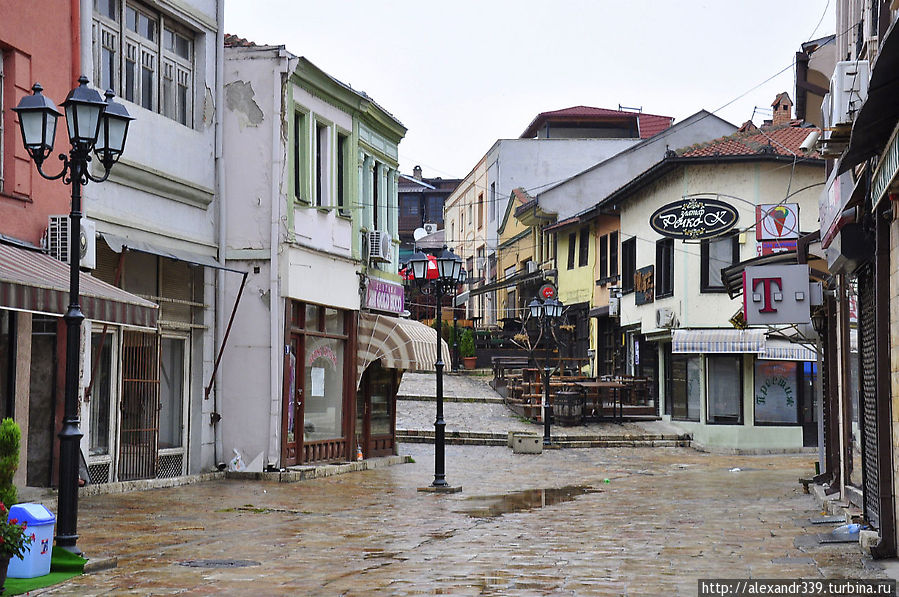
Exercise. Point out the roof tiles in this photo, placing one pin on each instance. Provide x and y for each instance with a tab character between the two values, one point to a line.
780	140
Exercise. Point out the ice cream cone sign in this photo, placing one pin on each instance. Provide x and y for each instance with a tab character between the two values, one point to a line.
777	221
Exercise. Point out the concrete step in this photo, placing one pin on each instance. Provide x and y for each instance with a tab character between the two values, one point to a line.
566	441
475	399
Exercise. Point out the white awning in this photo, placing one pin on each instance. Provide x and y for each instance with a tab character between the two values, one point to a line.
718	341
784	350
399	343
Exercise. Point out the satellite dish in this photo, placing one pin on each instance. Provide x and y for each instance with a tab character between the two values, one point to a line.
419	233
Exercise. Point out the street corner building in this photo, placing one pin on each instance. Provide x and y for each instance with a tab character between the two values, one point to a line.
311	193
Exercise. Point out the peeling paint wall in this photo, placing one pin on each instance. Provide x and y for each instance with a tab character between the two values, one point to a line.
239	100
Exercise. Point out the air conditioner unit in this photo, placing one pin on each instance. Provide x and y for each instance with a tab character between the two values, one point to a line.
58	240
614	306
848	90
379	246
666	318
430	227
532	267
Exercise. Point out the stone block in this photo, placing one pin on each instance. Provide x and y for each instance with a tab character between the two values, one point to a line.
527	444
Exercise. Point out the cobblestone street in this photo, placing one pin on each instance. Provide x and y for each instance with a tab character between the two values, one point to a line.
664	518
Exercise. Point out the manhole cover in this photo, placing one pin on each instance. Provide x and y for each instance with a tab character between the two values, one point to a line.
219	563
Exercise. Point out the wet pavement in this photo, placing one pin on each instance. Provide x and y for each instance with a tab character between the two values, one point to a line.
616	521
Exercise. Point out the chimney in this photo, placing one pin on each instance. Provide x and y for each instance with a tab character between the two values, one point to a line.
416	172
783	109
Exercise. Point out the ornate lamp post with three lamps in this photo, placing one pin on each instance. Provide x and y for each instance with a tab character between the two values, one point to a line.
545	313
97	126
449	276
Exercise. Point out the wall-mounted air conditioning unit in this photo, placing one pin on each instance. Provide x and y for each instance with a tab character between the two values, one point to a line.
666	318
429	227
379	246
848	90
532	267
58	240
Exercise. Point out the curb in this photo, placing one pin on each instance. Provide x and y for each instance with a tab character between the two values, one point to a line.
479	399
296	474
469	438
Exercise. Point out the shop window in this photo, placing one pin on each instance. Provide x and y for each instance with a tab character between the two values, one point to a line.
715	255
724	388
323	416
776	393
584	253
628	264
684	387
145	56
101	395
664	267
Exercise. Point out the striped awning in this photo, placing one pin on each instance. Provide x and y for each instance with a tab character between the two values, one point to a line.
35	282
784	350
718	341
399	343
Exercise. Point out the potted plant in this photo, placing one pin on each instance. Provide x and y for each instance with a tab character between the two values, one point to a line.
13	535
466	349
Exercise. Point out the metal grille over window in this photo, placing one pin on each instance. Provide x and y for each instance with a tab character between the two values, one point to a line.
140	406
867	324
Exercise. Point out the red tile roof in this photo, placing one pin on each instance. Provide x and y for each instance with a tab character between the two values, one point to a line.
649	124
780	140
232	41
521	195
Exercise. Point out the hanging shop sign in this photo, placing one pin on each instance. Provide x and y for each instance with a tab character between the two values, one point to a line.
381	295
694	218
644	285
776	221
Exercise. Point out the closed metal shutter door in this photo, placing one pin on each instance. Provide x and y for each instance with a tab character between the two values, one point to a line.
867	327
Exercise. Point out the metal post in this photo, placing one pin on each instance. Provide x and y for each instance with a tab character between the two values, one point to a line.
70	435
455	335
439	424
547	371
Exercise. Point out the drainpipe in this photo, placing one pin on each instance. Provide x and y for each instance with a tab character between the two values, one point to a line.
218	457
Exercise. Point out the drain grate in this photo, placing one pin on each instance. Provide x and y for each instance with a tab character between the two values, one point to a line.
219	563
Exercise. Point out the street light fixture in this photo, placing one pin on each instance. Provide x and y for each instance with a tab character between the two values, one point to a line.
102	127
546	312
449	276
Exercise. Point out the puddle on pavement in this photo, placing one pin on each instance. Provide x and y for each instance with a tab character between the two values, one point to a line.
219	563
520	501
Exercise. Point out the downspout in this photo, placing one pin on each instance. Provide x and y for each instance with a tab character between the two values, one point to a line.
221	220
280	102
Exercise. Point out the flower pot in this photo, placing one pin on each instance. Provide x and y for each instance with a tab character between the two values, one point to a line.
4	566
470	362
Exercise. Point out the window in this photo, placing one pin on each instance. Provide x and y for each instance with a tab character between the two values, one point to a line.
321	152
724	383
491	207
628	264
342	157
776	392
715	255
299	128
613	254
471	214
585	247
683	385
572	245
665	267
603	257
480	210
145	57
435	210
376	179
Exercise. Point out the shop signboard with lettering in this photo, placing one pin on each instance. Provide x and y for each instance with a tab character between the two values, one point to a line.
381	295
695	217
644	285
776	294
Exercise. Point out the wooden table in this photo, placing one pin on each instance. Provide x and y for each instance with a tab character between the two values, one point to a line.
615	388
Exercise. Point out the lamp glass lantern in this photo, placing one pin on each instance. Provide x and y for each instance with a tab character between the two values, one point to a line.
419	264
37	119
448	266
552	308
112	132
83	107
536	308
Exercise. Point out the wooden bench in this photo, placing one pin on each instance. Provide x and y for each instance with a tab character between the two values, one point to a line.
500	364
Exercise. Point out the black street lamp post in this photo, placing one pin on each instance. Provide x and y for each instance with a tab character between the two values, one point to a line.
93	125
545	313
449	276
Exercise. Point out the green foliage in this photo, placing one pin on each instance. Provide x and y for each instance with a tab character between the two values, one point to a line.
466	344
10	438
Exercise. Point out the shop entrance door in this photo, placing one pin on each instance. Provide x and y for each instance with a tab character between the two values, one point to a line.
292	410
376	411
139	426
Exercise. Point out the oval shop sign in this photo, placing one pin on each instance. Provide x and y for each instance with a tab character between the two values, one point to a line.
694	218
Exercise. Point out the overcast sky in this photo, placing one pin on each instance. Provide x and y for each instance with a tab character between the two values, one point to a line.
461	74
